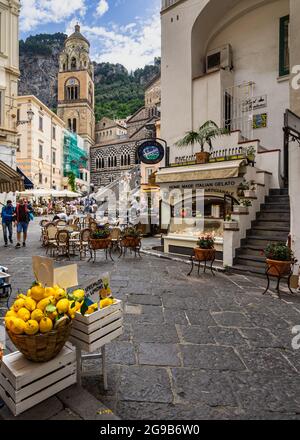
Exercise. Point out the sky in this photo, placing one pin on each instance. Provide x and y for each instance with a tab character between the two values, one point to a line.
120	31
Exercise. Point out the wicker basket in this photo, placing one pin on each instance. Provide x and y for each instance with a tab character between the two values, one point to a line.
42	347
100	243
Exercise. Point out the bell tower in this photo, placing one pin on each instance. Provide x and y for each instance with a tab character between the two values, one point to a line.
76	87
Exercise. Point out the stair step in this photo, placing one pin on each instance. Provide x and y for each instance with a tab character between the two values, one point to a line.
273	216
254	251
278	199
264	234
241	268
279	191
261	241
246	261
270	224
271	228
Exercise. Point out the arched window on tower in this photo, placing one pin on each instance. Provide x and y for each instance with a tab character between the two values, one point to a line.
73	63
72	89
122	161
128	159
69	124
75	125
103	166
115	161
109	162
91	93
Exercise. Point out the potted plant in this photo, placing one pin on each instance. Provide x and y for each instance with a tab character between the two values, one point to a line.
230	224
251	154
279	258
251	192
205	250
206	133
243	186
243	208
100	238
131	237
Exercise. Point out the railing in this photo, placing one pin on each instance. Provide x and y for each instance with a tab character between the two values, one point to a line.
167	3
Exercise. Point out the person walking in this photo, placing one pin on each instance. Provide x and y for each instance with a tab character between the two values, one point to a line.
23	212
8	217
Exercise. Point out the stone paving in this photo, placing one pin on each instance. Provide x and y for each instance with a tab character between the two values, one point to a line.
193	348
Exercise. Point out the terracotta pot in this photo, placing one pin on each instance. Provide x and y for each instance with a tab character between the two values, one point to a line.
100	243
202	157
204	254
278	268
132	242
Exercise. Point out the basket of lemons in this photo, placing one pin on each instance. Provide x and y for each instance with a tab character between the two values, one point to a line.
39	323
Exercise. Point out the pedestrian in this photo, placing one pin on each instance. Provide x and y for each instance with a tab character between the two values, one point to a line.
8	217
24	212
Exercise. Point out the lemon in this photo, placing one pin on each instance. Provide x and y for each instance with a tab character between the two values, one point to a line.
37	315
37	292
106	302
45	302
62	306
8	321
78	294
17	326
60	294
30	304
52	315
46	325
29	293
11	313
31	327
24	314
21	296
105	292
92	309
49	291
18	304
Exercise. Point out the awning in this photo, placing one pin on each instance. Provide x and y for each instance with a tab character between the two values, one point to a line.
209	171
10	180
27	182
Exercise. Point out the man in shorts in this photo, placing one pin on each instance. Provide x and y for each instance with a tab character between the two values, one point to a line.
22	221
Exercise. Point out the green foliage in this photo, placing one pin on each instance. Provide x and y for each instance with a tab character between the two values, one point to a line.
206	133
279	252
41	44
206	242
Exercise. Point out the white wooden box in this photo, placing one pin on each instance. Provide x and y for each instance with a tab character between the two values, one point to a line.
24	384
91	332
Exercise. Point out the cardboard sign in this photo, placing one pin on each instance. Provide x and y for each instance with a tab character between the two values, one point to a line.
66	276
43	270
95	285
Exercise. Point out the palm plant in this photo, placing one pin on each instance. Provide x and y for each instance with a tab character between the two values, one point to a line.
206	133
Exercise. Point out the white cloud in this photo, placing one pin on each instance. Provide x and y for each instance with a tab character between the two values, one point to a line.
102	7
36	12
134	45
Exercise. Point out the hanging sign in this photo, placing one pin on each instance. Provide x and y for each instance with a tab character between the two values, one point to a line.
151	152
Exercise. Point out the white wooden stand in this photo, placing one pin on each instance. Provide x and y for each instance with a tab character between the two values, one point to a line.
24	384
92	332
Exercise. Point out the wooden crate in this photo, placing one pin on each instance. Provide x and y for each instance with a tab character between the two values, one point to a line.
24	384
91	332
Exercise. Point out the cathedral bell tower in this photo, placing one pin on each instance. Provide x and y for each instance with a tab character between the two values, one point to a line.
76	87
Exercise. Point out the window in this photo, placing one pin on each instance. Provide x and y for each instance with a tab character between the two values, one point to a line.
75	125
70	124
284	50
54	157
40	178
53	171
40	151
18	115
18	145
149	171
41	123
54	132
73	63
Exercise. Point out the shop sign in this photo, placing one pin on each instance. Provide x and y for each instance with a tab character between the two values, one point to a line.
260	121
219	185
254	103
151	152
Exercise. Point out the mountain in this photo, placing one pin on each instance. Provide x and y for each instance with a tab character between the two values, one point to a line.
118	93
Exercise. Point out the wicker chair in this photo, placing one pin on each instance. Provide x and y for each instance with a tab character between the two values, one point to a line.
115	238
43	225
93	226
63	243
83	242
61	223
50	237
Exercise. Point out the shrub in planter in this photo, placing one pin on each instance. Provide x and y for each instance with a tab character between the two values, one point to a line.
100	238
230	224
206	248
279	259
131	237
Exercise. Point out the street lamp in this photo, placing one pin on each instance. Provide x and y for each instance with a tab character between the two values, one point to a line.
30	115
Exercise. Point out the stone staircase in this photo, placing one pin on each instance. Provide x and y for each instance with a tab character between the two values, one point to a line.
272	224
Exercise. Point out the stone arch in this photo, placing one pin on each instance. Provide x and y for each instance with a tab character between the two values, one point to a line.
72	89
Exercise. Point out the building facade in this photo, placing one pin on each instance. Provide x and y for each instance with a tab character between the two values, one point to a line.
238	63
76	88
40	143
9	75
111	157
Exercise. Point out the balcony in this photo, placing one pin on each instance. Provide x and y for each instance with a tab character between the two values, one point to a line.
167	3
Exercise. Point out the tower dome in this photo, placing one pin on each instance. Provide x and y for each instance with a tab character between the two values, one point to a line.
77	35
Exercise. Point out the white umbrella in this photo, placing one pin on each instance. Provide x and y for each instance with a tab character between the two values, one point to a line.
35	193
66	193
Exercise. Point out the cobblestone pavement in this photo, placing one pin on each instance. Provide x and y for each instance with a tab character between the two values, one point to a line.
193	348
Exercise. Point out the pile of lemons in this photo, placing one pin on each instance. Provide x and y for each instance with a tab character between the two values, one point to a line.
43	309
